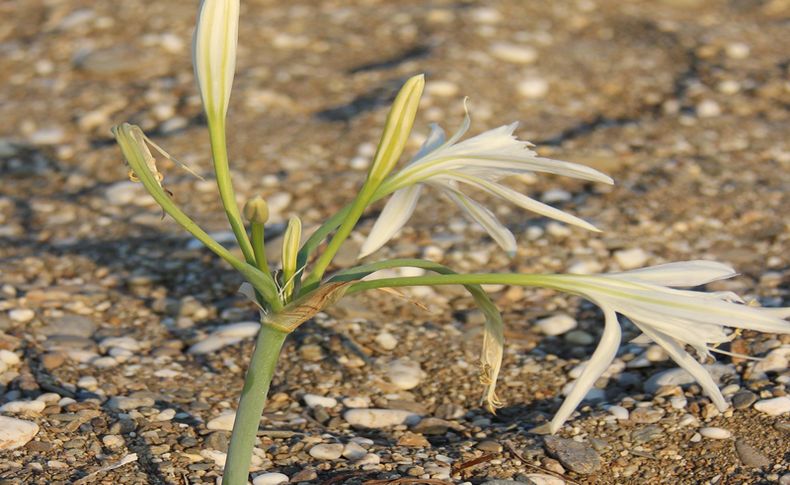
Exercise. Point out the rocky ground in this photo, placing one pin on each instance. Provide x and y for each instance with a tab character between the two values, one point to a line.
123	343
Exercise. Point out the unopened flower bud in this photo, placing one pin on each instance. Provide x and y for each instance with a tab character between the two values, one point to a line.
256	210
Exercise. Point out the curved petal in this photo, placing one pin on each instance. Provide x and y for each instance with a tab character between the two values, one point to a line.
687	362
487	219
679	274
396	212
434	141
599	362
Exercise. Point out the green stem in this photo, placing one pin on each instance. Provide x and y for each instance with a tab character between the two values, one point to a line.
540	280
219	153
259	247
253	399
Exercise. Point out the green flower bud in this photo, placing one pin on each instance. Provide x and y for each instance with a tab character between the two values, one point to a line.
256	210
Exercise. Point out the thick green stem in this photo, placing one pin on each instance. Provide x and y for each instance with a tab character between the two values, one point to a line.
253	398
259	247
219	153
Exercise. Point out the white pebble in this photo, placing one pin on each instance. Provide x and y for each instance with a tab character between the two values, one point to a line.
679	377
49	398
125	343
224	336
688	420
405	374
327	451
9	358
313	400
357	402
631	258
89	383
517	54
104	362
165	415
15	433
775	361
112	440
380	418
21	315
369	459
222	422
656	353
386	341
584	266
48	136
560	231
774	406
533	88
217	457
353	451
696	438
125	193
485	15
737	50
271	478
678	402
556	324
552	196
23	407
541	479
715	433
618	412
708	109
441	88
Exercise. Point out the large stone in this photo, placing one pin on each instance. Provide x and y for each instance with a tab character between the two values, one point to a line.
379	418
15	433
577	457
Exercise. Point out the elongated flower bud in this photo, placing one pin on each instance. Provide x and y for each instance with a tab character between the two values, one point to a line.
398	127
291	239
214	54
256	210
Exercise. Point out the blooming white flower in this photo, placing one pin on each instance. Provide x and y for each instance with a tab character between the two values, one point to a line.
670	317
480	162
214	53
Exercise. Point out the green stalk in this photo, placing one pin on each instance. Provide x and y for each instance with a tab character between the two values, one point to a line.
219	154
258	247
253	399
539	280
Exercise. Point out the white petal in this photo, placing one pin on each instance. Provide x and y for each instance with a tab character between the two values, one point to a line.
599	362
487	219
523	201
435	140
689	363
394	216
680	274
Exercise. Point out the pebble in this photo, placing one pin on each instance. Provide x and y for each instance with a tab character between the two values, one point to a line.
112	440
774	406
708	108
380	418
357	402
15	433
224	336
306	475
23	407
631	258
386	341
74	325
271	478
313	400
553	196
584	266
737	50
354	451
21	315
656	353
222	422
327	451
9	358
715	433
647	415
678	402
775	361
556	324
369	459
618	412
165	415
89	383
533	88
126	193
48	136
679	377
750	456
517	54
405	374
489	446
575	456
125	403
579	337
125	343
441	88
543	479
743	399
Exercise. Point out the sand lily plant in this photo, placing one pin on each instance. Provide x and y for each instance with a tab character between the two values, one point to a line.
673	318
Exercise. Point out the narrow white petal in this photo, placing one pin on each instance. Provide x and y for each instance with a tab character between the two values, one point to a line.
689	363
487	219
461	131
599	362
679	274
435	140
394	216
523	201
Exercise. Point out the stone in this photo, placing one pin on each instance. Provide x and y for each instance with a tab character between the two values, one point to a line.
631	258
72	325
369	459
271	478
679	377
112	440
715	433
405	374
514	53
379	418
15	433
489	446
21	315
413	440
89	383
775	361
646	434
620	413
125	193
327	451
357	402
774	406
354	451
313	400
306	475
227	335
750	456
575	456
125	403
23	407
386	341
222	422
433	426
647	415
579	337
543	479
743	399
533	88
556	324
708	108
9	358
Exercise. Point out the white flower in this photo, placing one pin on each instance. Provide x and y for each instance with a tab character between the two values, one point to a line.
214	53
479	162
670	317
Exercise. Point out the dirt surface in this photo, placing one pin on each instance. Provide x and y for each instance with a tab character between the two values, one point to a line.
684	102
